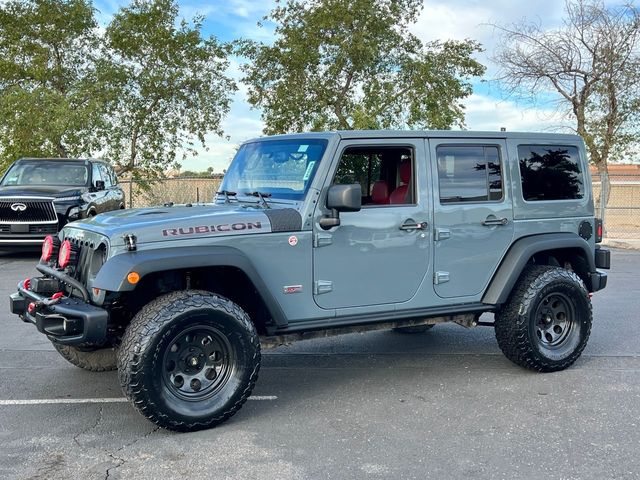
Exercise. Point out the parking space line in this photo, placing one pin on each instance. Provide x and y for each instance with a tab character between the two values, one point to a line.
64	401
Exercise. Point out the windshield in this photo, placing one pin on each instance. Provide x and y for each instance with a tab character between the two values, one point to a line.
281	168
43	173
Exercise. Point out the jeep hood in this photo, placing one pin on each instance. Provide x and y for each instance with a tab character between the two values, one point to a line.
159	224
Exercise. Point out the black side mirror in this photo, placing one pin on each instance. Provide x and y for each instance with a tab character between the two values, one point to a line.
99	185
341	198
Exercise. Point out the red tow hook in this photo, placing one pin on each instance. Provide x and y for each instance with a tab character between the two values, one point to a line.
34	306
55	298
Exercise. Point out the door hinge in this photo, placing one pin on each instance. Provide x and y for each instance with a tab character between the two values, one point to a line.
442	234
322	286
322	239
440	277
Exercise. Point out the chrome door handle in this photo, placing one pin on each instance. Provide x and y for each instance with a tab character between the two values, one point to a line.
412	225
491	220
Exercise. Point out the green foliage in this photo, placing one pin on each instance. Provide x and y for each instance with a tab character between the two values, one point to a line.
592	63
48	88
170	87
352	64
142	93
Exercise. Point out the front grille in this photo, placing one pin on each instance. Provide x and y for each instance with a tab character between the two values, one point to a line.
38	228
27	210
45	229
85	252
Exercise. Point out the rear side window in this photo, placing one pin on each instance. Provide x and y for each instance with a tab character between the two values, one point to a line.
550	172
469	173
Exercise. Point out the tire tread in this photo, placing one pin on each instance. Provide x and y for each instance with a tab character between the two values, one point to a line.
145	327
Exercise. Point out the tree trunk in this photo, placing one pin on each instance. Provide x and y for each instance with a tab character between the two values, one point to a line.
62	150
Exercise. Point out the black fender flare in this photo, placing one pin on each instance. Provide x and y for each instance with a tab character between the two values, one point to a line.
113	274
519	254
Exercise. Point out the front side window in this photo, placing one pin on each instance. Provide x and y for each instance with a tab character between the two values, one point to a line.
42	172
469	173
281	168
384	173
104	172
550	172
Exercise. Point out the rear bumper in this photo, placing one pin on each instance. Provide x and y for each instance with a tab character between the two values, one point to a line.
603	258
598	281
68	321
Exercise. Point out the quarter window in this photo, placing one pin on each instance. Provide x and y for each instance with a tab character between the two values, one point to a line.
550	172
469	173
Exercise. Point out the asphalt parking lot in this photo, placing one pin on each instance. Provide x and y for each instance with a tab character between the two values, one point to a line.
444	404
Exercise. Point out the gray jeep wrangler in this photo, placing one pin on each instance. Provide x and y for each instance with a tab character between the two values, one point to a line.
320	234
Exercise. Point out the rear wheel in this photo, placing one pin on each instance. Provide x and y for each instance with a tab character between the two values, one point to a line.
189	360
91	359
546	322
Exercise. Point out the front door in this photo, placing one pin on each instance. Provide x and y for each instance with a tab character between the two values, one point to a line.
381	254
473	214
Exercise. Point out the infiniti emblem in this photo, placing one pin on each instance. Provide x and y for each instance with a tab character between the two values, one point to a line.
18	207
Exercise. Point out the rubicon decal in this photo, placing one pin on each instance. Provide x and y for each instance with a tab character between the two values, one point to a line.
200	229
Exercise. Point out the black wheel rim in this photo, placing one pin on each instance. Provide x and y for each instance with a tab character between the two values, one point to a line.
555	320
197	363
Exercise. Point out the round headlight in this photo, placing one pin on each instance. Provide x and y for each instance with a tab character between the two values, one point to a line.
49	247
64	257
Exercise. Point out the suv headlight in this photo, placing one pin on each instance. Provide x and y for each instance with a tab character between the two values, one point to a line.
75	198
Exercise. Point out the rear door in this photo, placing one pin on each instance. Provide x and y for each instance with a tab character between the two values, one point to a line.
473	214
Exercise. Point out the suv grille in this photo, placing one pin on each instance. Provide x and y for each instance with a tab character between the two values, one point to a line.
38	228
16	210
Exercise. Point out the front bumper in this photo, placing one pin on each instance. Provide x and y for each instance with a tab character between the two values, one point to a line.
66	320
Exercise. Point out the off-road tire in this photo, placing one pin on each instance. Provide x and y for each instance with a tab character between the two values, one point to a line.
99	360
520	324
413	330
161	331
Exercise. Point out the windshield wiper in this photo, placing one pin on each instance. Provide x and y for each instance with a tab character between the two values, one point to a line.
261	195
226	194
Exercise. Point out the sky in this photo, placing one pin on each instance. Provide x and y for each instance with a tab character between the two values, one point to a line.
488	108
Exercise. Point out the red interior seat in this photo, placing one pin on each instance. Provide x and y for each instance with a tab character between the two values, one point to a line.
380	193
399	195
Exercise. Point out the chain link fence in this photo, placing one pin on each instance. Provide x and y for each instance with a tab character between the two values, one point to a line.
621	214
148	193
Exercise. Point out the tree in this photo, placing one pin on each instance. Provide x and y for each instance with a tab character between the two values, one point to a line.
49	94
169	86
592	62
353	64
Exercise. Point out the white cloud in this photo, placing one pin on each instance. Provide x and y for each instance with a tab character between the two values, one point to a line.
440	20
489	114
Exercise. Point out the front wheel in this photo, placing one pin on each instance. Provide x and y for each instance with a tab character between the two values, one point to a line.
189	360
546	322
89	358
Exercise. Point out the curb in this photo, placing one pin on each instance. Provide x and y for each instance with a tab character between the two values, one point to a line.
620	243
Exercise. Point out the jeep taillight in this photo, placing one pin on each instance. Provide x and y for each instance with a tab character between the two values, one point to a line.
599	230
64	257
49	247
